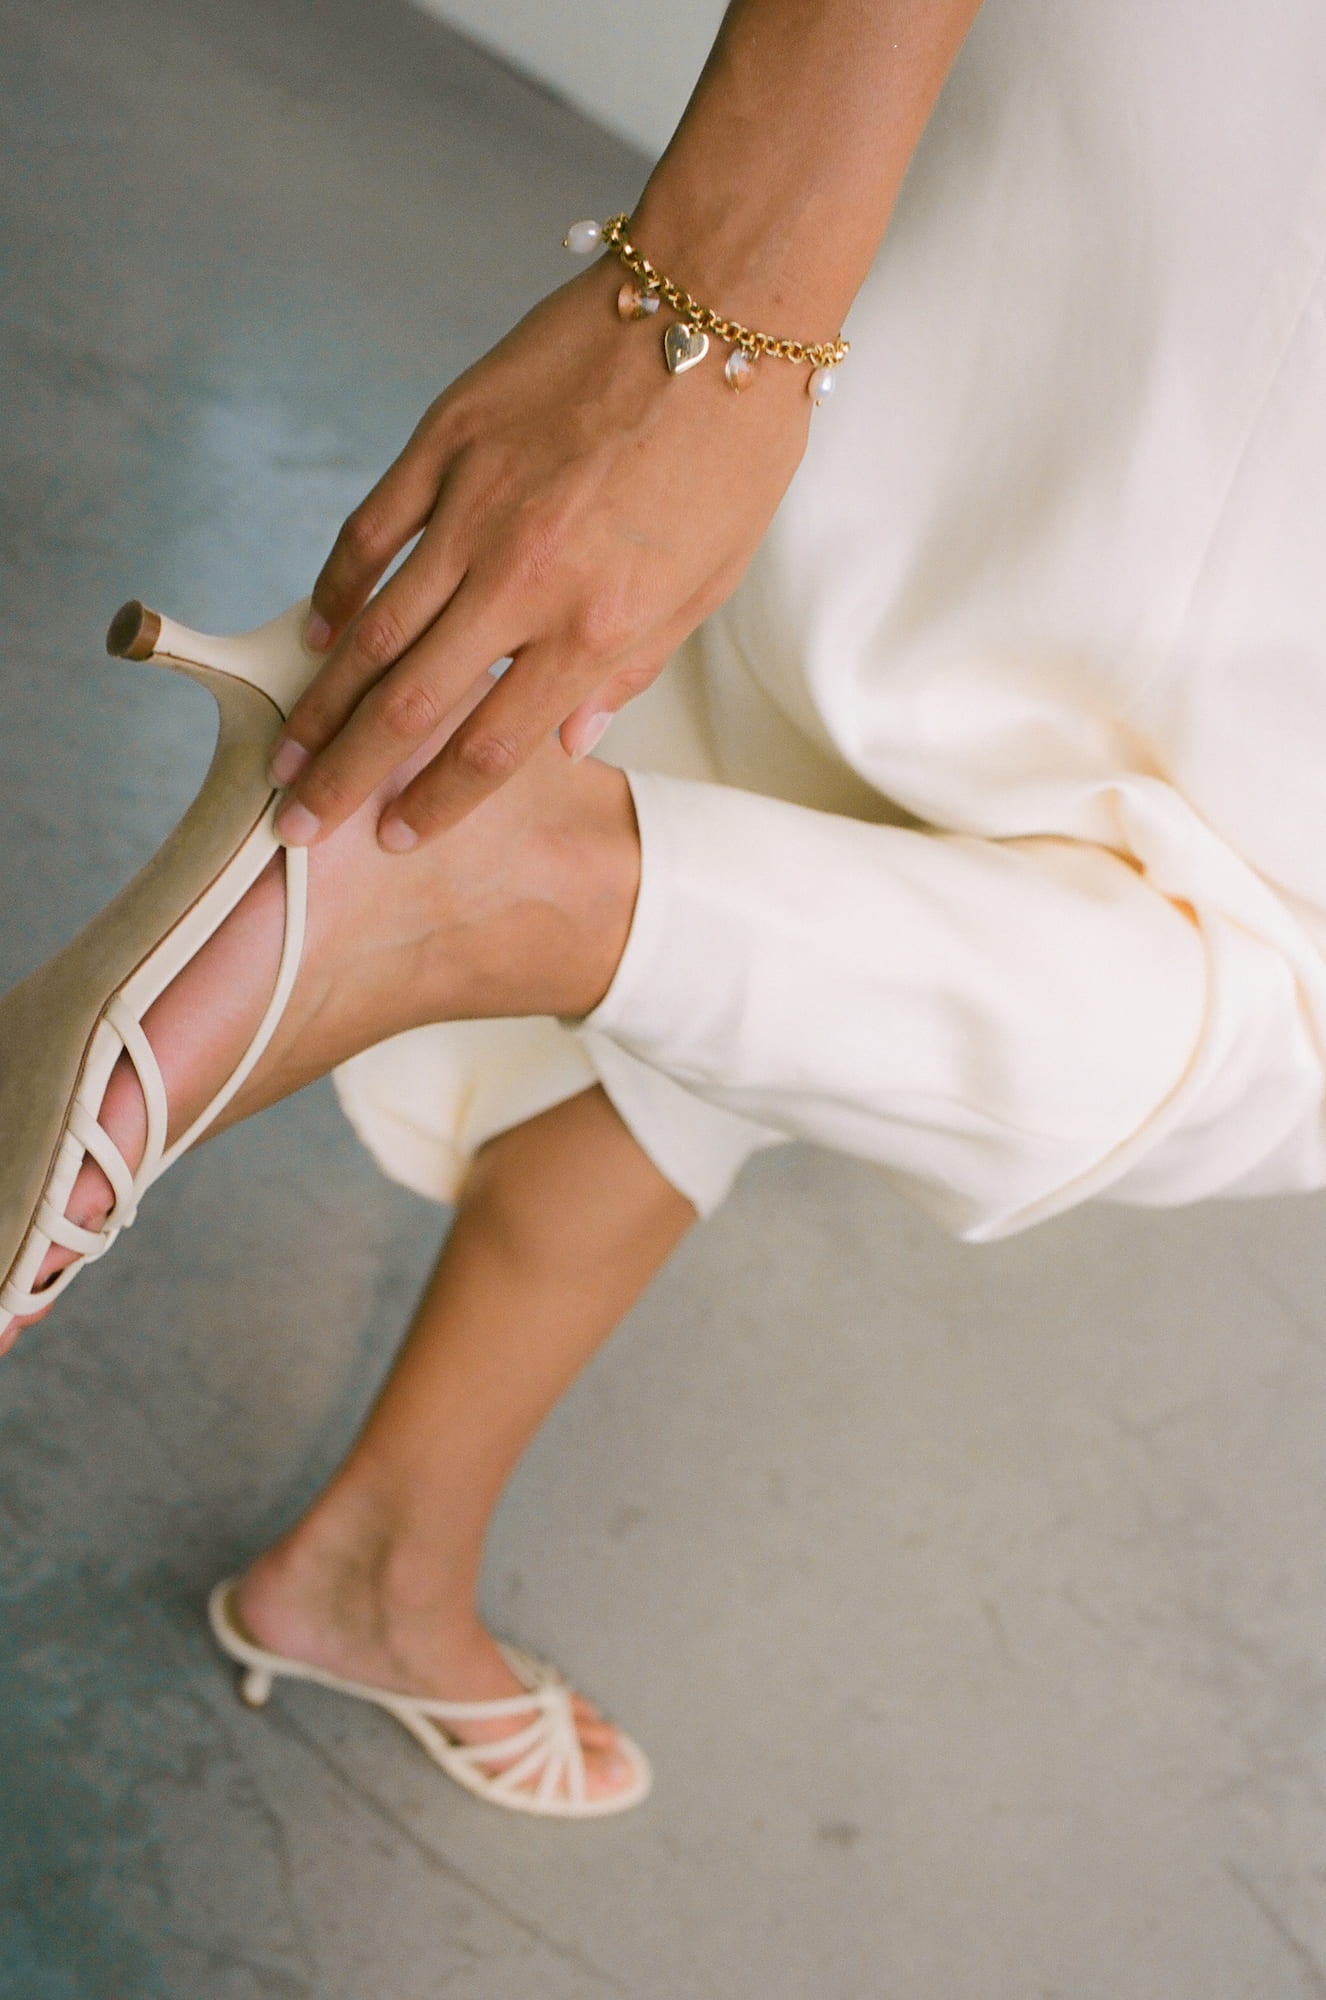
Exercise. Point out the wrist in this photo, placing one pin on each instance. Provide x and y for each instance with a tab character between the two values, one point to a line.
778	387
750	260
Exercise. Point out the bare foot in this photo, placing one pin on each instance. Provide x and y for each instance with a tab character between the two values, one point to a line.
522	909
340	1594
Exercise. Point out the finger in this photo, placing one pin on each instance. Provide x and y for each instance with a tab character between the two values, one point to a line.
506	727
636	670
586	725
376	531
397	715
390	623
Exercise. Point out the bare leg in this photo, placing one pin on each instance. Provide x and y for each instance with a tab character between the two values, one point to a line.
563	1222
523	909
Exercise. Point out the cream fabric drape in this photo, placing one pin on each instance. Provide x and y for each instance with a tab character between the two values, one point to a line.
984	829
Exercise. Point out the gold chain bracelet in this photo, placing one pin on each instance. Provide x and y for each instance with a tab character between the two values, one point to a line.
686	340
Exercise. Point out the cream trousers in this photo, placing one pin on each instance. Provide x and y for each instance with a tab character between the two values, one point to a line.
983	830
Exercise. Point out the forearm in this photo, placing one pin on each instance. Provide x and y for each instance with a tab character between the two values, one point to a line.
577	512
778	184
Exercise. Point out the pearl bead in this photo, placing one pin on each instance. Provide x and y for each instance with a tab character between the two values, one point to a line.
582	237
740	368
822	384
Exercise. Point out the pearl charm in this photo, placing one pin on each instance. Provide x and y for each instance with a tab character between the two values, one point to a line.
740	369
583	237
821	385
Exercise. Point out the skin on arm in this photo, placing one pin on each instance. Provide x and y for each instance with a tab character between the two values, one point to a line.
578	508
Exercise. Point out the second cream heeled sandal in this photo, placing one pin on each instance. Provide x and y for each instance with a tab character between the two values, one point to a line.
542	1749
64	1028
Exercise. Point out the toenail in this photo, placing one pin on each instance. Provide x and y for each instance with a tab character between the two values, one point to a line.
296	825
288	760
396	836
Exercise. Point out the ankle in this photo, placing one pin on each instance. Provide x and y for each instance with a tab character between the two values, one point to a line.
587	875
358	1558
397	1622
600	874
577	875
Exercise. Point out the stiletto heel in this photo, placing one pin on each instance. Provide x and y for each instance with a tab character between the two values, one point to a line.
271	660
64	1029
255	1688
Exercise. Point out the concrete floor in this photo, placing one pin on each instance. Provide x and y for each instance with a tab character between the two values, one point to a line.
971	1601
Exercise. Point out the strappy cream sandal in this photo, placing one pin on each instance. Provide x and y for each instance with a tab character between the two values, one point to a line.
547	1748
64	1029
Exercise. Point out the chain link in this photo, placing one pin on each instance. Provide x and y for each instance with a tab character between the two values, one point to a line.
824	354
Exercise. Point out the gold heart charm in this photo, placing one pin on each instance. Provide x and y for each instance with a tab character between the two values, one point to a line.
683	346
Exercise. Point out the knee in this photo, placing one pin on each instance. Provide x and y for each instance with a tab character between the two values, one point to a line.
569	1188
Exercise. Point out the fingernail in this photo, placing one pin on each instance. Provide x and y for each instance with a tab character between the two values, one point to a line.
317	632
288	760
396	836
296	825
594	729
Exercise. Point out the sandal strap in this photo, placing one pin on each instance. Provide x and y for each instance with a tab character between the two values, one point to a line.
96	1141
127	1186
522	1743
99	1146
58	1229
482	1711
292	951
545	1760
120	1016
548	1748
19	1304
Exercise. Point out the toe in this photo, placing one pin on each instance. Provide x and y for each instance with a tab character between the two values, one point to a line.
596	1735
607	1769
90	1202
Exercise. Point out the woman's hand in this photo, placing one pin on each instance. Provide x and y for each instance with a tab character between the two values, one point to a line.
581	511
